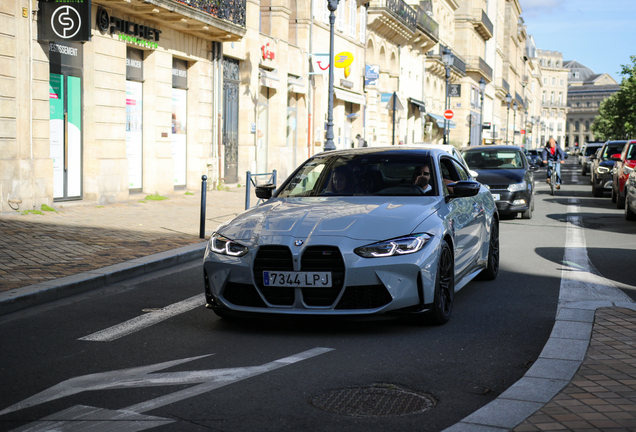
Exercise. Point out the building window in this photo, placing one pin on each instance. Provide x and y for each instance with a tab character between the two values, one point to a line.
576	126
545	81
560	98
561	82
352	18
363	24
587	125
553	81
543	97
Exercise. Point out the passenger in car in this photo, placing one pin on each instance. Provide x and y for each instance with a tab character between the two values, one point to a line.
341	181
422	177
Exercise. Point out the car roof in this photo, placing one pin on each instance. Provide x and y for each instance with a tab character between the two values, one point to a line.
402	149
493	147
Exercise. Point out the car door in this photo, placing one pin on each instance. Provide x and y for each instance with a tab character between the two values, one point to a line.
465	219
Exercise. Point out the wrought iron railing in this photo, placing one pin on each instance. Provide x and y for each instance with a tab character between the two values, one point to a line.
426	23
459	64
231	10
403	12
486	21
479	63
505	84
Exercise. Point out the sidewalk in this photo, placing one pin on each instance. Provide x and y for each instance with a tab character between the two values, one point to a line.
584	380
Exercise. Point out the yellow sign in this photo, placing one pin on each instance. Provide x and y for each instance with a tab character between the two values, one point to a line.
343	59
347	71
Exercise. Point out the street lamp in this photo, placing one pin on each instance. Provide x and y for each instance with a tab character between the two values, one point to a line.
482	88
447	58
508	100
524	141
332	5
514	121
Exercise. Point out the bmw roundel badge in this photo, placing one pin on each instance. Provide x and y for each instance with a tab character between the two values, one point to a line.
298	242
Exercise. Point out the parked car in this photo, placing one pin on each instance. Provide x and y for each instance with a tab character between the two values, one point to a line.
625	164
584	157
630	197
602	165
506	172
390	242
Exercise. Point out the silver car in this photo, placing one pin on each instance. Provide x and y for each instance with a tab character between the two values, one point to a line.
357	232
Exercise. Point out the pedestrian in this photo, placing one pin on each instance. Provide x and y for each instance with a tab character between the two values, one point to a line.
361	141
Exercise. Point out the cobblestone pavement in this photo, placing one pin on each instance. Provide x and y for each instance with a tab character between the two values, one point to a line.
602	395
80	237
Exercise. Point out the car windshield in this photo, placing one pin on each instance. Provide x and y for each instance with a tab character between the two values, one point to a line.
631	154
493	159
380	174
590	150
612	149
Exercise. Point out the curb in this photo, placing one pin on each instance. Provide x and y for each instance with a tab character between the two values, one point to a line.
44	292
561	358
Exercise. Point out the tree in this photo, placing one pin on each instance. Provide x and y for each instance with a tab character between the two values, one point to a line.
617	114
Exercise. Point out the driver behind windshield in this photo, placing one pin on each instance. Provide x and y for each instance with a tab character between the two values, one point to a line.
422	177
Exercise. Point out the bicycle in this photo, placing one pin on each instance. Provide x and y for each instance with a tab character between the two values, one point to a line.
553	175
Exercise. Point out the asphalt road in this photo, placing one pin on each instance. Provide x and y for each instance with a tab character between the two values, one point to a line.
269	375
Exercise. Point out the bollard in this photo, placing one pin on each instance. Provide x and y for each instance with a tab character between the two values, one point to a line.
248	183
204	189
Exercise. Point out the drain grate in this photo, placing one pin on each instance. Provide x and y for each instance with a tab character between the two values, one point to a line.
373	401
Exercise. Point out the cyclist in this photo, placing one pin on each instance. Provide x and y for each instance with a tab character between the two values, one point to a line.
553	152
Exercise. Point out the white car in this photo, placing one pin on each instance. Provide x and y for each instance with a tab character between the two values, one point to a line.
394	230
450	149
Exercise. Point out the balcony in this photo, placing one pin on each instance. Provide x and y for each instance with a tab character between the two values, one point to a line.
482	24
479	65
550	104
215	20
428	27
458	66
395	20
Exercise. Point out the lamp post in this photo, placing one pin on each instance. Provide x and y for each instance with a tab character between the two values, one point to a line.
508	100
332	5
482	87
447	58
514	121
524	141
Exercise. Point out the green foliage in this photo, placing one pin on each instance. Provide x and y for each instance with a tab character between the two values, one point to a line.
220	186
26	212
47	208
99	206
142	201
617	114
156	197
189	193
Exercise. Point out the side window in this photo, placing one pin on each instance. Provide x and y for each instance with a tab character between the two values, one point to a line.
449	175
463	175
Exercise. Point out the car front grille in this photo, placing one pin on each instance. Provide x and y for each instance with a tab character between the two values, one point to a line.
498	187
364	297
323	258
274	258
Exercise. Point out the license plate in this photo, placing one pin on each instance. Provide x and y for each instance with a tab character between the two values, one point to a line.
297	279
496	197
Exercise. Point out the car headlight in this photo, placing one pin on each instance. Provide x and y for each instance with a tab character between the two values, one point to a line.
627	170
399	246
602	170
224	246
517	186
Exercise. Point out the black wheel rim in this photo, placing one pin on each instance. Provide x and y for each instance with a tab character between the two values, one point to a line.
494	247
446	282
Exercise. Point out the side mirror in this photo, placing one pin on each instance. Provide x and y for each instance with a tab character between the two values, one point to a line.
534	167
616	157
464	188
265	191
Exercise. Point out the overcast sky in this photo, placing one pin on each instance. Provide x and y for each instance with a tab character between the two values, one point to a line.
600	34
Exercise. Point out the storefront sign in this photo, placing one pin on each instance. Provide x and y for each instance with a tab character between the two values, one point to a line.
371	74
266	53
346	83
128	31
454	90
64	20
134	64
343	59
319	64
179	73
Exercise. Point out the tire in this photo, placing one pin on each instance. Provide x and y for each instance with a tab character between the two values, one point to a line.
629	213
444	288
614	196
527	214
620	200
223	314
491	272
596	191
583	169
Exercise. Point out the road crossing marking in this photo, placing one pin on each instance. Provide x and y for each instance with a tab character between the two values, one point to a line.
145	320
130	419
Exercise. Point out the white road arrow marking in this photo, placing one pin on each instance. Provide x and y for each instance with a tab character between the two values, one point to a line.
146	320
141	377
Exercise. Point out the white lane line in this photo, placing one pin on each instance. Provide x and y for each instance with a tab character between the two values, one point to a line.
146	320
580	281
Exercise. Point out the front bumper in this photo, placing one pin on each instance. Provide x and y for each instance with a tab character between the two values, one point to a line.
512	202
603	181
361	286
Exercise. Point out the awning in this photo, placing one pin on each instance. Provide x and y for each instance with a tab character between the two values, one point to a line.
269	79
440	121
349	96
296	84
421	105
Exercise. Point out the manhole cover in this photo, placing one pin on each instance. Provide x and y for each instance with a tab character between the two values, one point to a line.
374	401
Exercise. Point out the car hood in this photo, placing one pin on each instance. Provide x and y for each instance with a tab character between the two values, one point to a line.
500	176
607	163
368	218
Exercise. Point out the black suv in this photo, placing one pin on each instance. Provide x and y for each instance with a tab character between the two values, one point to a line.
587	152
602	165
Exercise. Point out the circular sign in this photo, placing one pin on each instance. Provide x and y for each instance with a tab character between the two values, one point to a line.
66	22
448	114
343	59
